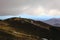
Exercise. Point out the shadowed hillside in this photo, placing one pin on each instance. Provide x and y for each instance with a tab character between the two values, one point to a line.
23	29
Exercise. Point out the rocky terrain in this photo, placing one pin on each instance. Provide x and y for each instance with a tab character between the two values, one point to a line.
23	29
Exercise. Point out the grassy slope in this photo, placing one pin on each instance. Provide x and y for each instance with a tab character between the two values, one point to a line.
22	28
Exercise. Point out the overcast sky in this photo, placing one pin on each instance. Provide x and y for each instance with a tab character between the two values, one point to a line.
32	7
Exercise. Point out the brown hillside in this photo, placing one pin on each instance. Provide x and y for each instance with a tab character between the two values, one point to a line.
22	28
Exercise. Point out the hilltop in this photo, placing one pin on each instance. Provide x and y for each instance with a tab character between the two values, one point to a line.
22	28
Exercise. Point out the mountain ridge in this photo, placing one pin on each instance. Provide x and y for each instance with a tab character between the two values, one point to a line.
53	21
27	27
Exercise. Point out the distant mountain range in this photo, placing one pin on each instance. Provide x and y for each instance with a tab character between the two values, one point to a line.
53	21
